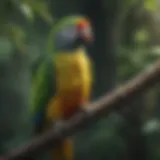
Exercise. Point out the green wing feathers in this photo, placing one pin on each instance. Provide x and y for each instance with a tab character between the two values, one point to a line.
42	91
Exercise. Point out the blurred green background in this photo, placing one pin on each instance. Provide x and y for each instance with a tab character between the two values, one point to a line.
127	39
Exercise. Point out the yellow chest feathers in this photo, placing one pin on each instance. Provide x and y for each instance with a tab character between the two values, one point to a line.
73	71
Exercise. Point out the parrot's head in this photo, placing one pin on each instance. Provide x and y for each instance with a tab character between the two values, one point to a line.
72	32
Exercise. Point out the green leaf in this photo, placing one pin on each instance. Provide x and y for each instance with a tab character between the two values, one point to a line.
17	36
27	11
141	35
41	8
24	8
150	4
30	7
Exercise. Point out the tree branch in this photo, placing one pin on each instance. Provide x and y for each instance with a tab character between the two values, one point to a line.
116	99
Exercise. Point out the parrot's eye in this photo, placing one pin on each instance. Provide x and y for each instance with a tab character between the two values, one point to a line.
84	30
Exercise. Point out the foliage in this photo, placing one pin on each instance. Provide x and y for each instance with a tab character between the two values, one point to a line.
133	59
16	19
150	4
28	10
103	141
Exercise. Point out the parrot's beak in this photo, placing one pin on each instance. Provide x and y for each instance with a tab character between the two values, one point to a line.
85	31
87	35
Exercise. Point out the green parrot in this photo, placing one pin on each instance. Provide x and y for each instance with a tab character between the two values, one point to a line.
63	80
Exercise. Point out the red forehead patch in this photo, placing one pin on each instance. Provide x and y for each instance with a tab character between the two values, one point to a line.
81	23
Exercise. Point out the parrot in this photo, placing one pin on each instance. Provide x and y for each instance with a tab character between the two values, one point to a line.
63	80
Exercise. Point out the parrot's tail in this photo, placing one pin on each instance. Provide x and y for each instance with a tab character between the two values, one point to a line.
68	149
64	151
